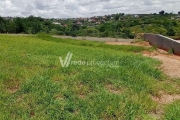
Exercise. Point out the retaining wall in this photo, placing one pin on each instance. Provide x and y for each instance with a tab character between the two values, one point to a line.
163	42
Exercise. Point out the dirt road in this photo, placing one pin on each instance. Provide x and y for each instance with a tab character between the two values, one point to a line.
97	39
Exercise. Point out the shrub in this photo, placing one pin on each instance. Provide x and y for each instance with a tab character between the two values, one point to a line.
170	32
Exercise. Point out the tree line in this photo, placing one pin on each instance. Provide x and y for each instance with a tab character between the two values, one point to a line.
122	26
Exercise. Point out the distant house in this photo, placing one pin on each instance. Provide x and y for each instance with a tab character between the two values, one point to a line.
56	23
79	23
98	22
103	20
136	16
65	25
89	20
85	19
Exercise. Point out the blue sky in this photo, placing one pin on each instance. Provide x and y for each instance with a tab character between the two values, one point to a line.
84	8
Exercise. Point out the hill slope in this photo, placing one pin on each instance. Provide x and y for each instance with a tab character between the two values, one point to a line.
35	85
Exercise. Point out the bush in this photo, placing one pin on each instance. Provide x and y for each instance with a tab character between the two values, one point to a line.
61	33
170	32
54	32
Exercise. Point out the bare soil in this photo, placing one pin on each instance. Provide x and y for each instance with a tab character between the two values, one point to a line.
13	89
170	63
143	43
112	90
165	98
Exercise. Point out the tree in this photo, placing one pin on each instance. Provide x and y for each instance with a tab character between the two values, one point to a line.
36	27
19	25
127	33
162	12
2	25
116	17
10	27
179	12
102	28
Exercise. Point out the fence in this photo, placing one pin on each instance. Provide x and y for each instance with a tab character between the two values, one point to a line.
163	42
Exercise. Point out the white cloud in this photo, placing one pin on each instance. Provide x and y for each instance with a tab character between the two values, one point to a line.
84	8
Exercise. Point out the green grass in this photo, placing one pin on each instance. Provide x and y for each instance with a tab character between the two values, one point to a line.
173	111
125	48
33	84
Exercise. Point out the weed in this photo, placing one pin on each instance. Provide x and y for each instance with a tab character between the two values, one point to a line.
170	51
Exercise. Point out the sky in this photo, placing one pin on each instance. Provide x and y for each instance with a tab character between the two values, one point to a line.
84	8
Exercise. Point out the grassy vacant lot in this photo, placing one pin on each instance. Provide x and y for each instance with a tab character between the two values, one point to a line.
34	85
